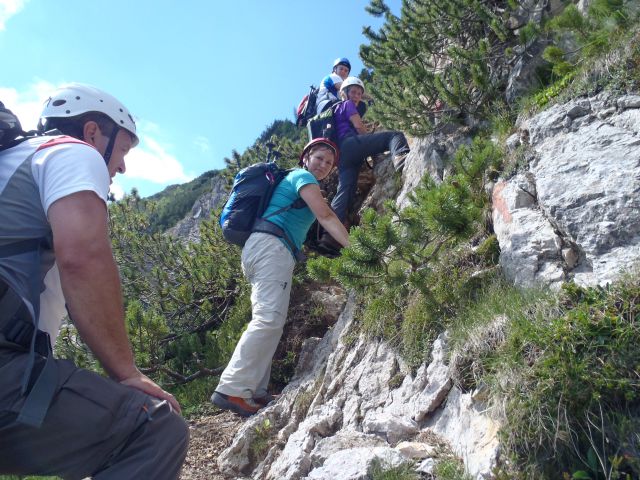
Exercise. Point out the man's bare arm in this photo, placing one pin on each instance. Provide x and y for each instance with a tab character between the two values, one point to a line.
91	286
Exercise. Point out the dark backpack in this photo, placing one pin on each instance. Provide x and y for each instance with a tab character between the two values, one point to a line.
250	195
307	107
323	125
10	128
11	132
21	328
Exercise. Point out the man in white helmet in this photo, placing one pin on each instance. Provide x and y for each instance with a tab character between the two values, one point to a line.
57	419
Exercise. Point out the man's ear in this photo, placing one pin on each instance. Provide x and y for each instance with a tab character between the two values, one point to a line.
89	131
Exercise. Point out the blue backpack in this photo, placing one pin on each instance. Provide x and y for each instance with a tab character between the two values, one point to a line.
250	195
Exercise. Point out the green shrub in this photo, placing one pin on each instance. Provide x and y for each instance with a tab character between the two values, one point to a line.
413	268
264	434
570	384
381	471
450	469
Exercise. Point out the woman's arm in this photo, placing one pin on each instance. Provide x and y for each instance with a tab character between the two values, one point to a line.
356	121
312	196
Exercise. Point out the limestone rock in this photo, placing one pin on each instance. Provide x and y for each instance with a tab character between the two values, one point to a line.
390	426
427	466
472	433
428	156
343	440
355	463
386	186
344	400
438	382
188	229
586	196
416	450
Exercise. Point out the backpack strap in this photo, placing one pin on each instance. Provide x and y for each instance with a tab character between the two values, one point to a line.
298	203
61	140
18	329
22	246
265	226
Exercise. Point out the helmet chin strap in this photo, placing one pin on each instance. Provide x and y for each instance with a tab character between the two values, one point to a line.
112	141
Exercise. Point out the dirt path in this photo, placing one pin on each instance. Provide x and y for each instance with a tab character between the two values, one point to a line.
210	435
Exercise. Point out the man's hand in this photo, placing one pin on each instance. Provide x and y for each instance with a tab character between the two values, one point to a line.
148	386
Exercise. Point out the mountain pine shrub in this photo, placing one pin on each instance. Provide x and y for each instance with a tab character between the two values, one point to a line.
437	62
413	267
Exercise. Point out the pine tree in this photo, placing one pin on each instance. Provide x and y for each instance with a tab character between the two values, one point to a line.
437	61
411	267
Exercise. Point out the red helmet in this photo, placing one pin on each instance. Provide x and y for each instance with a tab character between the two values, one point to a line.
321	141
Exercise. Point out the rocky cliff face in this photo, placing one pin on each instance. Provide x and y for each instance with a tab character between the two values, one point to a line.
572	212
188	229
575	212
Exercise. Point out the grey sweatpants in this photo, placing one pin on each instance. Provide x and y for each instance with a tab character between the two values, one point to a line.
268	265
94	427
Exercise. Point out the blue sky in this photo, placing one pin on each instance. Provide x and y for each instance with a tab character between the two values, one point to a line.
201	77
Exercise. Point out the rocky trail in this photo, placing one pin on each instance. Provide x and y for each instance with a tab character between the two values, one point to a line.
210	435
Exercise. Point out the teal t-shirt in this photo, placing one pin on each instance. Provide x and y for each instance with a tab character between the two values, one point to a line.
295	221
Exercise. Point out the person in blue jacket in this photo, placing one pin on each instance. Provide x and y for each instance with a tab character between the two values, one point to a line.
329	90
267	263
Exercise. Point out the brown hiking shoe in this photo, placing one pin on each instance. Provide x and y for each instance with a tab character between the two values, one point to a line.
245	407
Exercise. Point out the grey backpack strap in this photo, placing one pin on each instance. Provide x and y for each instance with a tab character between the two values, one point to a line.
39	398
20	328
265	226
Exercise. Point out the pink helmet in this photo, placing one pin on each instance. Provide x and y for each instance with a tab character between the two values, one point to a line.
321	141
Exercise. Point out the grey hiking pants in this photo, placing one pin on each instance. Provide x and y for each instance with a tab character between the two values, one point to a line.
95	427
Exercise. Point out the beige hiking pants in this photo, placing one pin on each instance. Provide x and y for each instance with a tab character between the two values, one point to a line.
268	266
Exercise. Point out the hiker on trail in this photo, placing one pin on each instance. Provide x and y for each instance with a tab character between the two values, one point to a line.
355	146
55	418
267	263
329	90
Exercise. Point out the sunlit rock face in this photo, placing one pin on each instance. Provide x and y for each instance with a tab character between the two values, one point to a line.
575	212
354	404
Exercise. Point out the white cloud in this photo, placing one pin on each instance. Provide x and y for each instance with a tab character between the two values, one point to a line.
27	104
117	191
9	8
148	161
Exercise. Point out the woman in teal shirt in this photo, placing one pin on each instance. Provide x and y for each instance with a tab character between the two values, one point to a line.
267	263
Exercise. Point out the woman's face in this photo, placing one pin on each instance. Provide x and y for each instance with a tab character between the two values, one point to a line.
355	94
320	163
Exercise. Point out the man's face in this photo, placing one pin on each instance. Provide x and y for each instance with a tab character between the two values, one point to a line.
342	71
121	147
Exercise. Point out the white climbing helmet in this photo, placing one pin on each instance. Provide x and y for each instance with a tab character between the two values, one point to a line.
349	81
76	98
